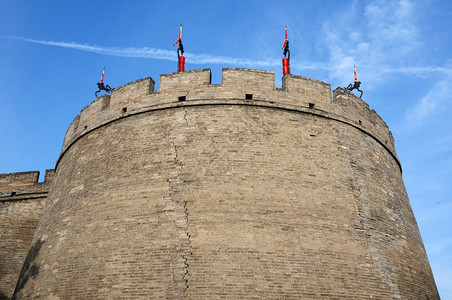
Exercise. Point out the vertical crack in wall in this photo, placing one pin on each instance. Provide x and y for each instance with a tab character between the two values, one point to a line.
177	212
372	234
185	117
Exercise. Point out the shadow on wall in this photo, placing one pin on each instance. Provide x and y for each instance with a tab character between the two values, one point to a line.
29	269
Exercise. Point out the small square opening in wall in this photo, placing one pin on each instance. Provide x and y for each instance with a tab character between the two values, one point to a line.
182	98
311	105
124	109
248	96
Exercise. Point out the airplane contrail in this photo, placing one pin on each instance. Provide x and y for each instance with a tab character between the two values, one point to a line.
162	54
154	53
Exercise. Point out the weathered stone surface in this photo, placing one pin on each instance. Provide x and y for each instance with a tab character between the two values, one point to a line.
238	190
22	201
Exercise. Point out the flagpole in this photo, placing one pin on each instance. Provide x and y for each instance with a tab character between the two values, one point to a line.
180	56
285	60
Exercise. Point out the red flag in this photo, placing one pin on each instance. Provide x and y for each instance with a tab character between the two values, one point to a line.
354	72
285	39
102	77
180	35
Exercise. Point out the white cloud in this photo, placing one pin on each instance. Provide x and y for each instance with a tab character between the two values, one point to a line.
439	246
144	52
162	54
436	100
379	39
155	53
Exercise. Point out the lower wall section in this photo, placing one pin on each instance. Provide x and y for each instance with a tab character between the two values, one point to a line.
18	222
227	201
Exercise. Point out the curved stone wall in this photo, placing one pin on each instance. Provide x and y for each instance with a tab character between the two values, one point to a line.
22	200
284	195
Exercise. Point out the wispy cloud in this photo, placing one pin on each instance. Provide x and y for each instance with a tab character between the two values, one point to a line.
154	53
381	38
438	246
437	99
338	65
144	52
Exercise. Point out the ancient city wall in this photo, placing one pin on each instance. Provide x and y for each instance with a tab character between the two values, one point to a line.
237	190
195	88
22	200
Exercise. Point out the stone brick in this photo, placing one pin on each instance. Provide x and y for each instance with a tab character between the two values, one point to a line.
239	190
22	201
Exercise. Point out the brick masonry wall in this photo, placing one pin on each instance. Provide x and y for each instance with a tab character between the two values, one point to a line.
22	201
285	195
298	92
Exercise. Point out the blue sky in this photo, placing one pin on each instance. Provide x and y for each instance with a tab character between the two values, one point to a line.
52	54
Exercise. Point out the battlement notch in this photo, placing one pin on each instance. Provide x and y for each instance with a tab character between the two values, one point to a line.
15	184
358	112
254	87
306	91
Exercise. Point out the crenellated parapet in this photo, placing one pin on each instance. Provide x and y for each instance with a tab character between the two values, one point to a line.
238	87
15	186
356	111
22	200
196	189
